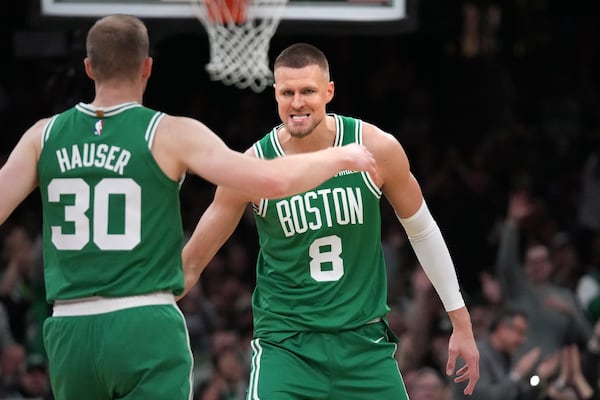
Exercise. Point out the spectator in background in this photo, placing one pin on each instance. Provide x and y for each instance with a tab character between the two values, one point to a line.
427	330
227	380
200	319
12	367
6	338
485	302
502	376
426	383
590	360
571	379
35	383
567	264
555	316
588	210
570	383
588	286
15	289
423	311
22	292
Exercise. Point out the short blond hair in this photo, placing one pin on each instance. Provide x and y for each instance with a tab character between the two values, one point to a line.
117	46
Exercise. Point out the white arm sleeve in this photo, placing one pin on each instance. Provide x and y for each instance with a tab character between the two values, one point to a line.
431	251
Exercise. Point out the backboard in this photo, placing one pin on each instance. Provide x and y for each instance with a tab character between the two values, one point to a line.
246	62
296	10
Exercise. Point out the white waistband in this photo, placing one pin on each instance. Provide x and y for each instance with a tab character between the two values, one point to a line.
101	305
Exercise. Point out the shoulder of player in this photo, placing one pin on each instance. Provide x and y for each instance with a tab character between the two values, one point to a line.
178	124
377	140
34	133
180	131
38	127
250	152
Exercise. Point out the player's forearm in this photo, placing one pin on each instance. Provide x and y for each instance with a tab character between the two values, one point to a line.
192	269
461	320
212	231
196	256
433	255
305	171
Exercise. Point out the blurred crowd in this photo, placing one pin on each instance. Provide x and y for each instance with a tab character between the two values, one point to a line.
497	105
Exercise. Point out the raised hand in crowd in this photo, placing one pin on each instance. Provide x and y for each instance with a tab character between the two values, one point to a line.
570	378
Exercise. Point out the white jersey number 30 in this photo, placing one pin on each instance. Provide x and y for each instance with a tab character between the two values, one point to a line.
76	213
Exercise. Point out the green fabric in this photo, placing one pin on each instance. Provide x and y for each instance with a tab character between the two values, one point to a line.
321	265
139	353
356	364
111	217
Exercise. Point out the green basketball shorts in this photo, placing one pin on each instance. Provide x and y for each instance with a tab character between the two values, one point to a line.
137	353
356	364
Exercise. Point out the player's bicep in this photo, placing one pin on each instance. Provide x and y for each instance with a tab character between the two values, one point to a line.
186	145
400	187
207	155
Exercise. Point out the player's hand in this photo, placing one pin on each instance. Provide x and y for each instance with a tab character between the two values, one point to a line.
361	159
462	344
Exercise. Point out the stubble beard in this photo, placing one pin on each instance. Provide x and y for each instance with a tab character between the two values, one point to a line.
299	133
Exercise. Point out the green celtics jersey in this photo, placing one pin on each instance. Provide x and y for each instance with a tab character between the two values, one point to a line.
111	217
321	265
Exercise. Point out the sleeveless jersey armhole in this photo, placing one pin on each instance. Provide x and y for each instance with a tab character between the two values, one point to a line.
371	185
261	208
151	129
46	130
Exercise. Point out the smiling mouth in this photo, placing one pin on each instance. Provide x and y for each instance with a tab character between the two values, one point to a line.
299	117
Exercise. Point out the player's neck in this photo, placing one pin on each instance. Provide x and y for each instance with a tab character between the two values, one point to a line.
322	137
114	93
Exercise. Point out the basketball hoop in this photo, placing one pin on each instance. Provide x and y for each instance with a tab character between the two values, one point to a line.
239	32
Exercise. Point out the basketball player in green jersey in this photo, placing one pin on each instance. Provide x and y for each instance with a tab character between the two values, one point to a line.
109	174
320	329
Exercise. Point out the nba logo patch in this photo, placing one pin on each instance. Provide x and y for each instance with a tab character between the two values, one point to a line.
98	128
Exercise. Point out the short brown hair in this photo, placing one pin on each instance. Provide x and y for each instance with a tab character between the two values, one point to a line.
300	55
117	46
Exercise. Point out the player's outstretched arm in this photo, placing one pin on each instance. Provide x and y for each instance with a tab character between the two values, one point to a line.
195	147
216	225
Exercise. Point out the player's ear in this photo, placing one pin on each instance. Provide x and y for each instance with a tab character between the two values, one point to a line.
330	91
147	67
88	68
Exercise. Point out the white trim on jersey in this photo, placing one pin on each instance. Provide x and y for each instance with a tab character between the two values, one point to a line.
151	129
275	142
255	370
261	208
258	150
108	111
373	188
47	129
339	132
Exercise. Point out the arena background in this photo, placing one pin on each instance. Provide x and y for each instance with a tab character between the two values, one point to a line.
486	96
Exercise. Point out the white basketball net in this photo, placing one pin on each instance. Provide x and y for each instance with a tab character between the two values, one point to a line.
239	47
